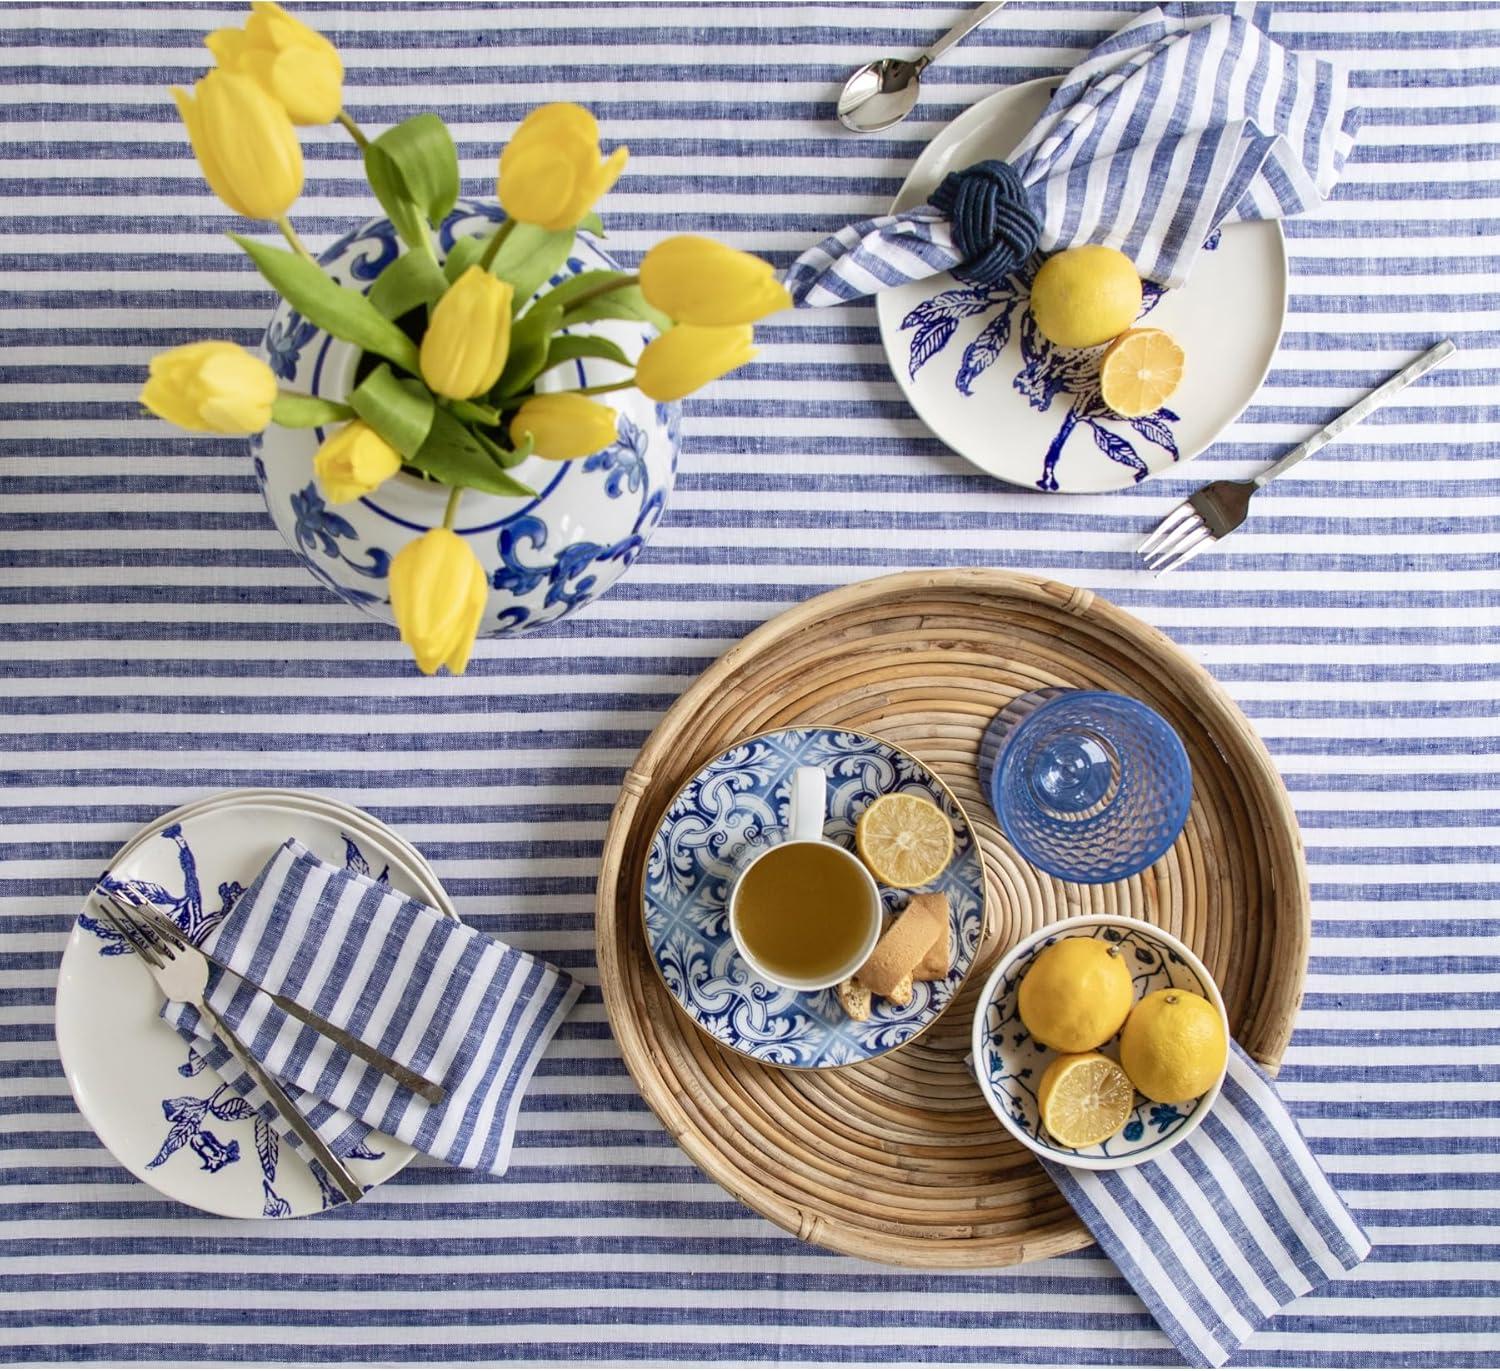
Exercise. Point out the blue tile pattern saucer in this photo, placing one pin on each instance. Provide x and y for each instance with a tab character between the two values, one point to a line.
1009	1062
738	804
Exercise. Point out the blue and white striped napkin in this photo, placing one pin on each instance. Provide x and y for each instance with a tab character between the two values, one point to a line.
1229	1227
1177	124
446	1001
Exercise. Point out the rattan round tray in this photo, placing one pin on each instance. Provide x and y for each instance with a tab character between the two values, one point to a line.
899	1160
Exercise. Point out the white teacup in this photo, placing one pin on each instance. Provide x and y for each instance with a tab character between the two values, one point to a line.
835	869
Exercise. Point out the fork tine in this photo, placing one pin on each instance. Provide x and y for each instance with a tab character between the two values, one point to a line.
129	932
1184	534
1187	553
1174	517
158	923
159	945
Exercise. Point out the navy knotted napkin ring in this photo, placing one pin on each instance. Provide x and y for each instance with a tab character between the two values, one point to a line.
994	226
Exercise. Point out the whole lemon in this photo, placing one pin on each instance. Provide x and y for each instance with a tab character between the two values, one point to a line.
1086	295
1173	1046
1076	994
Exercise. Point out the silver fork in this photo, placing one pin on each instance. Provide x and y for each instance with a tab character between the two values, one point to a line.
167	931
1218	509
181	974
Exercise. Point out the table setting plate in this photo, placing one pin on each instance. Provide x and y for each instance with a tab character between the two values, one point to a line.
987	383
899	1158
165	1116
737	805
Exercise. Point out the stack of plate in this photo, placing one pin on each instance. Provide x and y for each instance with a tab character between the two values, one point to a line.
148	1096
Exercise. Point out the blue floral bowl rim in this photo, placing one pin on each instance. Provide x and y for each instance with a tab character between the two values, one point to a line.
984	892
979	1033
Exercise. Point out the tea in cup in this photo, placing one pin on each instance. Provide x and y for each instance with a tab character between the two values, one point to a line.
805	914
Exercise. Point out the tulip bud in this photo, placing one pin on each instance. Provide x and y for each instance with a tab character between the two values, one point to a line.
246	145
293	64
699	281
551	174
211	387
438	593
353	462
689	356
468	336
565	425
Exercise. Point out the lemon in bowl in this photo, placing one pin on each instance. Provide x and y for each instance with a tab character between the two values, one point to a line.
1011	1064
1086	295
1173	1046
1076	994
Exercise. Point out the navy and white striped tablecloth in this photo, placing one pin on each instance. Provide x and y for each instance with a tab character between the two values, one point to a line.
160	642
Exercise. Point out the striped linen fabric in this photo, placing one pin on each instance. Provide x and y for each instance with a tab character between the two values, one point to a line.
1228	1228
444	1000
1182	121
161	642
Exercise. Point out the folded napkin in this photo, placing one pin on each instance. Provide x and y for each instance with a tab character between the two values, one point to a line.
1178	123
1229	1227
446	1001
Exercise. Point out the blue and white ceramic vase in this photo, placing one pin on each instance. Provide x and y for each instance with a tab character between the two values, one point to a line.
546	555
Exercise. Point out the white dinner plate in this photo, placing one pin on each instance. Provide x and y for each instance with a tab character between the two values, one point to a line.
986	382
159	1111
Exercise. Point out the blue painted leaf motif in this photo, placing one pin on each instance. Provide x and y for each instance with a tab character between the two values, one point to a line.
983	352
1154	430
267	1148
285	339
624	461
1133	1130
177	1137
330	1193
1118	449
274	1207
194	1066
230	1108
1151	296
317	525
936	319
188	1109
114	944
1163	1116
363	1152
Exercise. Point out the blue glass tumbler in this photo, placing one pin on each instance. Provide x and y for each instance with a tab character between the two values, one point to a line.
1088	785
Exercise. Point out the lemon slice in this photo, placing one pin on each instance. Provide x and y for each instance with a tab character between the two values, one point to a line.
1084	1099
1139	371
904	840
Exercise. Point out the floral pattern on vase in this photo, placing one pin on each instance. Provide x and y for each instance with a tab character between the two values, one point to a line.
738	804
546	556
1047	371
1011	1061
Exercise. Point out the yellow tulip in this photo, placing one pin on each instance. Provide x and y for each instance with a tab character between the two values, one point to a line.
245	142
689	356
353	462
565	425
293	64
699	281
211	387
438	593
551	173
468	336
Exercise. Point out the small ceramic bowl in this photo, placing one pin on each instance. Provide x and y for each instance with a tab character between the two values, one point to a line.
1009	1062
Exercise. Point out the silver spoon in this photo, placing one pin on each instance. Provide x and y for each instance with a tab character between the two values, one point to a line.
883	92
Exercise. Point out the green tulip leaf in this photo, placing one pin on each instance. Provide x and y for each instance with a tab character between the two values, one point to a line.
463	255
413	279
529	256
307	411
455	455
593	223
530	340
413	170
586	283
501	455
624	303
401	412
566	349
345	313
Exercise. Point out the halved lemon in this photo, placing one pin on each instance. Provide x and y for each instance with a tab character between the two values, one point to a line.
1084	1099
1139	371
905	840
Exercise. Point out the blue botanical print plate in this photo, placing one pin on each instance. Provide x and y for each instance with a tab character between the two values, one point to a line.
983	378
1009	1062
729	811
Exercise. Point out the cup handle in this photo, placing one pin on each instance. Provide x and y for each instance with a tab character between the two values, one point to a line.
809	804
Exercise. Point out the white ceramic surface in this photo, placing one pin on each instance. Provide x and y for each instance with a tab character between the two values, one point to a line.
985	382
1008	1062
134	1077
